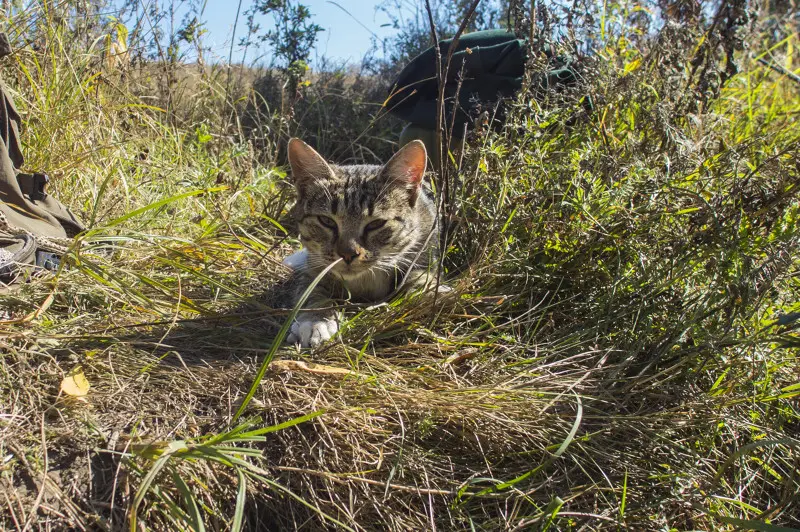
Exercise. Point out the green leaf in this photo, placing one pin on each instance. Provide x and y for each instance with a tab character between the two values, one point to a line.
750	524
552	512
241	497
191	503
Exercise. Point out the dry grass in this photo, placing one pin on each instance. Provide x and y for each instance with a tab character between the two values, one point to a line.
620	350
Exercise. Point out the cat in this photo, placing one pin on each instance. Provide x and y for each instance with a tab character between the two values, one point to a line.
378	222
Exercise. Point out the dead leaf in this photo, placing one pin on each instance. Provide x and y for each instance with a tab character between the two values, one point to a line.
75	384
460	357
317	369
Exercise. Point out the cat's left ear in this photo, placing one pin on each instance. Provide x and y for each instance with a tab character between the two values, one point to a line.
406	168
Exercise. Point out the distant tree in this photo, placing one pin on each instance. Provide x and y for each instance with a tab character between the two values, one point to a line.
410	19
159	30
291	39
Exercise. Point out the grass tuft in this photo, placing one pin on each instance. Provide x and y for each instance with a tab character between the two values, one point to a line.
619	351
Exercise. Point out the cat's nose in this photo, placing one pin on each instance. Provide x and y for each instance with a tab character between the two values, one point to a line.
349	256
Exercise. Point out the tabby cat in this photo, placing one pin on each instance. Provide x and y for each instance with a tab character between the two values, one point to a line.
378	222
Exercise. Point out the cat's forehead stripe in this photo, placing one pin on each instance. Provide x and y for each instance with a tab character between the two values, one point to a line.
355	191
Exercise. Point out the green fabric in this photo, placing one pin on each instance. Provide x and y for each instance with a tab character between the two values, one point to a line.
37	214
493	63
27	213
426	135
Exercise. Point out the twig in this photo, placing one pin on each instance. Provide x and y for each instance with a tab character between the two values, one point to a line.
779	69
111	445
439	77
441	74
344	478
43	487
230	51
11	511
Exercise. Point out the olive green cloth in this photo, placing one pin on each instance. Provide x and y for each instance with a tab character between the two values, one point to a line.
428	137
31	221
24	204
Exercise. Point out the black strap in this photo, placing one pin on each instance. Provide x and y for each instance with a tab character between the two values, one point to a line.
18	251
22	256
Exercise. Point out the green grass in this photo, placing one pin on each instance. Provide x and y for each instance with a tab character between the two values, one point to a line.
620	350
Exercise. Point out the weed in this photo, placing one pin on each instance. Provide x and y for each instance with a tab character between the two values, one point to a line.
619	351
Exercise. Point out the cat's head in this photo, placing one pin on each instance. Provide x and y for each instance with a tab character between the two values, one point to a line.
367	215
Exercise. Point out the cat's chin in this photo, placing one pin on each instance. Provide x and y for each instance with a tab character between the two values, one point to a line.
348	272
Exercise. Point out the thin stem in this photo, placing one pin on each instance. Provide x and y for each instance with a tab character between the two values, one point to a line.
441	75
230	52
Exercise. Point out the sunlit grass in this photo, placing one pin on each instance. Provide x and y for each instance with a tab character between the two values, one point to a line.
619	351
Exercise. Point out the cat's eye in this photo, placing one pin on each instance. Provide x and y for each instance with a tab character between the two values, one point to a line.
328	222
374	224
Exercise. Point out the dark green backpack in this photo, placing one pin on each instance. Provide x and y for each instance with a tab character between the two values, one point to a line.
35	228
493	64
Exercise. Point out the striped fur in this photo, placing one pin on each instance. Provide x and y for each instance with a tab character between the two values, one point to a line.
380	220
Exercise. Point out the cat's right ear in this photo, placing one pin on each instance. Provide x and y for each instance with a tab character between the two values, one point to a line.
308	166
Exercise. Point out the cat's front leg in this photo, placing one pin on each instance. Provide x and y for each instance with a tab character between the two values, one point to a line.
312	329
425	281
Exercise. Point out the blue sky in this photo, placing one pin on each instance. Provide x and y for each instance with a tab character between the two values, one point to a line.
345	36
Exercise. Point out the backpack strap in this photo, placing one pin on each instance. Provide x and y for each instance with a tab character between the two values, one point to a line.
17	254
33	185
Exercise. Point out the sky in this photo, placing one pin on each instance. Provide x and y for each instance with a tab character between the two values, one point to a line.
347	37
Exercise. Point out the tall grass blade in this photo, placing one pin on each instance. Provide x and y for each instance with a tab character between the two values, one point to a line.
190	502
145	485
241	497
750	524
788	442
158	204
278	341
281	426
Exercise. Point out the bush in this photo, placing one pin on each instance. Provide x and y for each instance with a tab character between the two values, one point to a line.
619	351
339	112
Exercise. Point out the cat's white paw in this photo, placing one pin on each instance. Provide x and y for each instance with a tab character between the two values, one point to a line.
312	331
